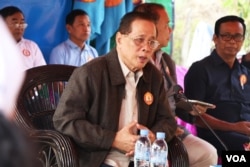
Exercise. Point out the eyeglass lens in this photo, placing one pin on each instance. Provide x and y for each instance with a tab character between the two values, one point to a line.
19	25
228	37
139	41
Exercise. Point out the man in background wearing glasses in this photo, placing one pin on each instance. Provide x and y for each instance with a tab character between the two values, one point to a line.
31	54
109	99
220	79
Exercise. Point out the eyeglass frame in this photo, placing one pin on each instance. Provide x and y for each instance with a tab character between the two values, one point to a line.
230	37
19	25
140	43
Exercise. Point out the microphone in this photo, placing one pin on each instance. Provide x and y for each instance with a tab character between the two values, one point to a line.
179	94
181	99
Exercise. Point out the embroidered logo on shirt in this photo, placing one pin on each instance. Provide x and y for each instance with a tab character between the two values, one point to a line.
148	98
26	52
243	80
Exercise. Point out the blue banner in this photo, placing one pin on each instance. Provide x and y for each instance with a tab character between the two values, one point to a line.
113	15
46	21
105	17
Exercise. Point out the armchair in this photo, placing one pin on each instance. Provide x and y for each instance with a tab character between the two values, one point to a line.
35	107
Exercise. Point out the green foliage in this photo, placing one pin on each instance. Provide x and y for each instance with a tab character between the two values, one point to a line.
188	13
241	7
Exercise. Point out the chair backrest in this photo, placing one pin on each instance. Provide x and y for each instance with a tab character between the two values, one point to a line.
39	95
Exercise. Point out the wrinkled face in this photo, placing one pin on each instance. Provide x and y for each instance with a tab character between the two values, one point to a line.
135	49
16	25
230	39
164	31
80	31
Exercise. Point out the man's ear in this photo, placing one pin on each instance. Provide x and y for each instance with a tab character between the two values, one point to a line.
68	28
215	38
118	38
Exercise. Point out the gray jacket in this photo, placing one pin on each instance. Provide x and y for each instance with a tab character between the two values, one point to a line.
90	106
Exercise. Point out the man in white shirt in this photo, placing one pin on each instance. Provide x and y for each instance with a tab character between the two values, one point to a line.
14	151
31	54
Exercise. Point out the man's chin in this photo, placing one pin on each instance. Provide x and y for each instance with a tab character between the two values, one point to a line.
18	39
140	66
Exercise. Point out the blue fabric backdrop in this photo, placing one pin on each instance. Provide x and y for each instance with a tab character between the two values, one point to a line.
105	18
46	21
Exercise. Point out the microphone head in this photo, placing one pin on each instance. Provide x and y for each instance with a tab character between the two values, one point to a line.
178	93
178	89
181	100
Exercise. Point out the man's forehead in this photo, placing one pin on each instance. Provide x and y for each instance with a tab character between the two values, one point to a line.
227	26
138	26
15	16
14	19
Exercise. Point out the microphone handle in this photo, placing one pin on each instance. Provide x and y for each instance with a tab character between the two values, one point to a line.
208	126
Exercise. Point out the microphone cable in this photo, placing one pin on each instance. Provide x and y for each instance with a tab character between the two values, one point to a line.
181	96
208	126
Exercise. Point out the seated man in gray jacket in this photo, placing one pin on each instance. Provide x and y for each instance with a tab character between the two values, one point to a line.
109	99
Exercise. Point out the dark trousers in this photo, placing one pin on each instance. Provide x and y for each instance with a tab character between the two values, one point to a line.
233	141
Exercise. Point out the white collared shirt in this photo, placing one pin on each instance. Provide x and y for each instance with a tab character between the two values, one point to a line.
128	113
30	53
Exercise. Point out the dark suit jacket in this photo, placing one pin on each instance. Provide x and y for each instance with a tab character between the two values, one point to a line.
172	80
171	66
90	106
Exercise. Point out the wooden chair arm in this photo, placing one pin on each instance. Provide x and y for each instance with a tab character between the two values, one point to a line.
54	145
177	153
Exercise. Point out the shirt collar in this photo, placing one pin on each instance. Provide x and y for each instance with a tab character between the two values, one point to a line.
21	40
157	61
218	60
126	71
73	45
158	56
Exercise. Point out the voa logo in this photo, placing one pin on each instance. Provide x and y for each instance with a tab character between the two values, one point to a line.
236	158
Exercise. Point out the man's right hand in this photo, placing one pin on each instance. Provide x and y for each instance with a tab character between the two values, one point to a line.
242	127
200	108
125	139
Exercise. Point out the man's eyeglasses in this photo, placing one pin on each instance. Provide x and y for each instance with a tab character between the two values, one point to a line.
139	41
229	37
19	25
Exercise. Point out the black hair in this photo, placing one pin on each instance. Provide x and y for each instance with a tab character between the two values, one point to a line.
70	18
129	18
229	18
9	10
151	9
